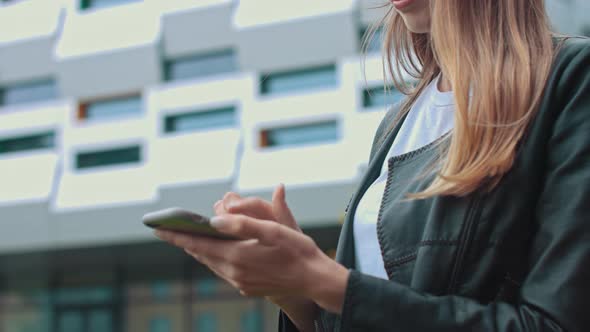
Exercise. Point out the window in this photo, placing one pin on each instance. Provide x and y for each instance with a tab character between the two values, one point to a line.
160	324
374	43
70	321
87	4
9	1
28	92
25	305
200	65
99	320
251	321
84	308
84	295
161	290
205	322
206	287
111	108
201	120
108	157
378	96
306	79
84	319
316	133
26	143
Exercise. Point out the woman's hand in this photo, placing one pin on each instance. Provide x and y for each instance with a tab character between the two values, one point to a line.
277	211
273	260
255	207
301	310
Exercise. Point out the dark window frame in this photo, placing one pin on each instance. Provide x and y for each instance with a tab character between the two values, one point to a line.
266	141
135	157
82	111
170	62
267	78
367	97
51	135
170	120
84	5
50	81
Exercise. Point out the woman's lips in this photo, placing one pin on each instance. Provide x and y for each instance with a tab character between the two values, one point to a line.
401	4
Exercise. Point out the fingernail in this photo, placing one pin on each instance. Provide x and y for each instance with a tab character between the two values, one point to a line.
218	222
231	205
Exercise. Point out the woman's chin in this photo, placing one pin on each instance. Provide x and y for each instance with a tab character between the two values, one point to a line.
417	20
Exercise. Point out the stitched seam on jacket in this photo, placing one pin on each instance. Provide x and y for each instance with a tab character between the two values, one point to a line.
402	260
404	157
437	242
414	254
384	245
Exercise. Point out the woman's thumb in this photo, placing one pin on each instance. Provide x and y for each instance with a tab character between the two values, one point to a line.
280	208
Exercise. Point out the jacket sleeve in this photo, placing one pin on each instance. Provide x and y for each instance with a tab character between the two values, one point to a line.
555	294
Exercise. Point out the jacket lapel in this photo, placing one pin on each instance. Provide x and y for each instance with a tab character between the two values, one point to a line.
345	252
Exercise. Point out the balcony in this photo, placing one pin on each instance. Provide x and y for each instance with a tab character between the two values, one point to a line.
199	140
107	182
26	50
300	137
371	102
95	59
29	171
196	26
283	34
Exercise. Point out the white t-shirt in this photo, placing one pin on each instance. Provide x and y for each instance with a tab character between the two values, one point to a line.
430	117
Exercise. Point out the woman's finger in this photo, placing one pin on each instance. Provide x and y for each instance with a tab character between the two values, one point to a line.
218	265
251	206
219	208
200	245
229	198
213	264
268	233
281	210
258	208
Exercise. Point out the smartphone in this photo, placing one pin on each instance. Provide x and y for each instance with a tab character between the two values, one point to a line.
185	221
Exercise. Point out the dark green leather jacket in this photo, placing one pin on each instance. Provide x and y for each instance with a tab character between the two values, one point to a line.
513	259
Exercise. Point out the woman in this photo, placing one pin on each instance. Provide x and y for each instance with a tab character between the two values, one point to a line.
474	214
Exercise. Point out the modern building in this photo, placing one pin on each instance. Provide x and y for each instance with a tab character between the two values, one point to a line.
113	108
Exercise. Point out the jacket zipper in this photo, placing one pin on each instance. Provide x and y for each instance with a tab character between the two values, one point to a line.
466	237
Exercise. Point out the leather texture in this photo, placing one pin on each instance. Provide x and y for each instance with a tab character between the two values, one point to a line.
516	258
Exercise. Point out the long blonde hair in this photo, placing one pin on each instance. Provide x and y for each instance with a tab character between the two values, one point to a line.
497	54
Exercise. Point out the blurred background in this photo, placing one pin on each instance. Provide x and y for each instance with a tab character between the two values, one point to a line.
113	108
